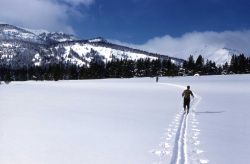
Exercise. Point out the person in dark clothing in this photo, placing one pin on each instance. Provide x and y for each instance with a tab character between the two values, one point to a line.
186	98
157	79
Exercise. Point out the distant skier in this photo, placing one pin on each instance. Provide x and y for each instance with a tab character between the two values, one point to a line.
186	99
157	79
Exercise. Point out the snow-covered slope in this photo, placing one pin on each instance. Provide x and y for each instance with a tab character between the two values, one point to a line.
126	121
218	128
20	47
98	39
223	55
219	55
92	122
83	53
9	32
57	37
52	36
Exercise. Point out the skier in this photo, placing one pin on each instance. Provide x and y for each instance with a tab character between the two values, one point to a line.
157	79
186	98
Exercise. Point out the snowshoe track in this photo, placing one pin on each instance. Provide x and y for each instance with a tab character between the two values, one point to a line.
181	142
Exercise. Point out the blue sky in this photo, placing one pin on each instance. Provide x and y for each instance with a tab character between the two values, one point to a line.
171	27
132	21
136	21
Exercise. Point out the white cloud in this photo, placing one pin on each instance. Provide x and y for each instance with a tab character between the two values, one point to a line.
195	43
77	2
47	14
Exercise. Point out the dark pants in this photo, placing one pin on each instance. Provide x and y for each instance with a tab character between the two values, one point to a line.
186	104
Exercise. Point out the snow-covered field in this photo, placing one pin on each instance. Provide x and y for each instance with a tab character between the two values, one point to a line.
125	121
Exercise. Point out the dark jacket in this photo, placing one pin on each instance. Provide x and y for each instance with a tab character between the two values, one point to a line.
186	94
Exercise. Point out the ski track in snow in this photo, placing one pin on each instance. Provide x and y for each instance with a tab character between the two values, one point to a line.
181	141
179	152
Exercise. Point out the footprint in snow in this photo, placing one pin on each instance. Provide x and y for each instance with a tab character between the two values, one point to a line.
165	145
196	134
198	151
204	161
195	137
197	143
197	130
194	122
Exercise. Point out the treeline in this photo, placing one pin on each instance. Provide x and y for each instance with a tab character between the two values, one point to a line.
96	69
238	65
199	66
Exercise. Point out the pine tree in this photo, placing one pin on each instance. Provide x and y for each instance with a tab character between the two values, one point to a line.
155	67
189	66
199	64
167	68
140	68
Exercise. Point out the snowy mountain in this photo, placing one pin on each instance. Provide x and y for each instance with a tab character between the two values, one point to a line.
223	55
56	37
98	39
9	32
219	55
21	47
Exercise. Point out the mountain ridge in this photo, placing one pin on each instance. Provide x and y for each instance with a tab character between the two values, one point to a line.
19	47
